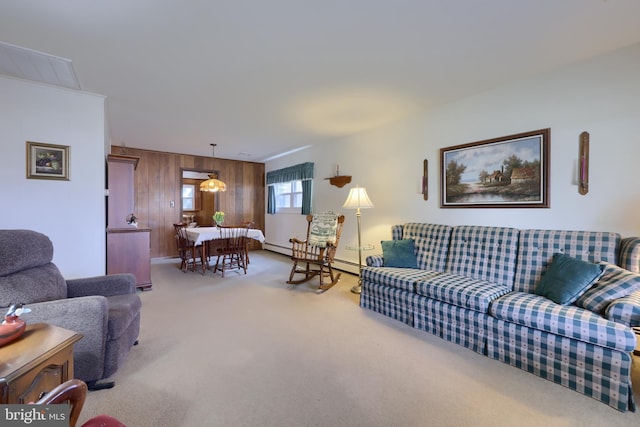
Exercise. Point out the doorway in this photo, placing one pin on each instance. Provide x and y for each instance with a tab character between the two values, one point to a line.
197	207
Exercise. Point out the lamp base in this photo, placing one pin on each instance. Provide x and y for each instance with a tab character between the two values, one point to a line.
357	289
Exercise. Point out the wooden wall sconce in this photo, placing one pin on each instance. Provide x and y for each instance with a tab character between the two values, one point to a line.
583	184
339	180
425	180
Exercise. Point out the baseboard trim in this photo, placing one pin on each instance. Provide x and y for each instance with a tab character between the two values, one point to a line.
339	264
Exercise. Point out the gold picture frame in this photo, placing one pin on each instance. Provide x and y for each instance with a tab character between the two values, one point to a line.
47	161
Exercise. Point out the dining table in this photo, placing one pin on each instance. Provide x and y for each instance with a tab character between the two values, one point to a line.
199	235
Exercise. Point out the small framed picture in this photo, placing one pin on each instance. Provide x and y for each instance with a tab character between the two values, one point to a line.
47	161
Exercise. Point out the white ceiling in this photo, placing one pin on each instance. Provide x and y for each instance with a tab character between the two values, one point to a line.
262	77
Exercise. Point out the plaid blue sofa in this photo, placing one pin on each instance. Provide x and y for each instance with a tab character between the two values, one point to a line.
474	286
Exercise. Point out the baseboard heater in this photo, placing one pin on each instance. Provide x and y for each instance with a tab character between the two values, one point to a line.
338	264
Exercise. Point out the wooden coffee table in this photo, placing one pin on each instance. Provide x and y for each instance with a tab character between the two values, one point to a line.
36	363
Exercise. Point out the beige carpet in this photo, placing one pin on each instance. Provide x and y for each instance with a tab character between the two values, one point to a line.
254	351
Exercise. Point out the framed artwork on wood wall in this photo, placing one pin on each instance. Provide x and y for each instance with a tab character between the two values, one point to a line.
506	172
47	161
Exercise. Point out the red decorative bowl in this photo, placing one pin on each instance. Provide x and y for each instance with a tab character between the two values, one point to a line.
11	329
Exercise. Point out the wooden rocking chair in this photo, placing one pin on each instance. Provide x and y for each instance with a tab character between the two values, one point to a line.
314	255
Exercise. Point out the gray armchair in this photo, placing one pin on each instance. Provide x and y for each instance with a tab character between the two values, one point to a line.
104	309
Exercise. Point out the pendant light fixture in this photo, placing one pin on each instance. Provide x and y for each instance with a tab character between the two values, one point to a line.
213	184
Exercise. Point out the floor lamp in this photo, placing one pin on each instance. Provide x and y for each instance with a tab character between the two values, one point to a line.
358	199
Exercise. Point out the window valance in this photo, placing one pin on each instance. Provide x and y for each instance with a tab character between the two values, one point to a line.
302	171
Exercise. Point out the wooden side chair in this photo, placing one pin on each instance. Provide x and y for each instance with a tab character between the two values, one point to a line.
187	250
232	249
75	393
248	224
313	256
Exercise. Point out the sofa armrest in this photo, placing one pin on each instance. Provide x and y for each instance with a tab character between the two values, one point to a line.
82	315
625	310
629	254
375	260
113	284
88	316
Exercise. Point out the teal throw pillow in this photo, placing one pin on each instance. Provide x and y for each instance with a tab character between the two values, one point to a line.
567	278
399	253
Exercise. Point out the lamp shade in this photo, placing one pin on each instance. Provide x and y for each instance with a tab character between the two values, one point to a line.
213	184
357	199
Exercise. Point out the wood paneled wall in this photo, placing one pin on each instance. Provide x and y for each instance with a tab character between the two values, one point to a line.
158	181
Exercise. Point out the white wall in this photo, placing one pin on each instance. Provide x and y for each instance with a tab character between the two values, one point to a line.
600	96
71	213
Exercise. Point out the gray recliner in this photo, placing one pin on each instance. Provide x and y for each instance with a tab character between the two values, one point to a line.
104	309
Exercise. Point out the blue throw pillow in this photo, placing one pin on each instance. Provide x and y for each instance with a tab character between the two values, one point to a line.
399	253
567	278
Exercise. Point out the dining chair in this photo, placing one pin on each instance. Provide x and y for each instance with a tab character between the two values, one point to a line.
74	392
232	249
249	225
187	250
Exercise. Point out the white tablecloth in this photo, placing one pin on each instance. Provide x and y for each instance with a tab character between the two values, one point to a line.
202	234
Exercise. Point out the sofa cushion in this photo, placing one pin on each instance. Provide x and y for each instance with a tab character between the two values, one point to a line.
399	253
484	253
567	278
569	321
537	247
431	243
401	278
37	284
615	282
22	250
462	291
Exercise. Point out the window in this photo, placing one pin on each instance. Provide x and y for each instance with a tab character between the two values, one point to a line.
289	196
290	187
188	197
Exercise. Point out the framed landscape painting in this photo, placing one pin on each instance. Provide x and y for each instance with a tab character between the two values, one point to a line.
507	172
47	161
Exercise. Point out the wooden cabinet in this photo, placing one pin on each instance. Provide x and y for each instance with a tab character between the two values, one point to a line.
128	247
36	363
129	251
120	182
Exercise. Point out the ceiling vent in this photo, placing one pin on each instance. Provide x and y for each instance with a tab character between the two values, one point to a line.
32	65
